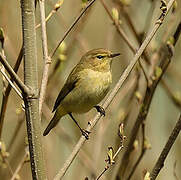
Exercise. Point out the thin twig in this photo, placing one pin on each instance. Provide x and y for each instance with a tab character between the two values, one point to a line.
13	75
128	89
71	27
143	150
4	154
16	131
11	83
4	159
112	157
107	167
144	109
160	162
137	36
120	31
3	72
8	90
46	59
166	53
174	170
20	165
123	35
113	93
176	100
53	11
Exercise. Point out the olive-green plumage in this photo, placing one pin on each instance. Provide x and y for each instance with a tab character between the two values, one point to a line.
86	85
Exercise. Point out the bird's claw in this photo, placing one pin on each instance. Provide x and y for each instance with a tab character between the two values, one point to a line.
85	133
100	110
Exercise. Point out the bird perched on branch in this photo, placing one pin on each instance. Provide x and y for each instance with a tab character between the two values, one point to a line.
87	84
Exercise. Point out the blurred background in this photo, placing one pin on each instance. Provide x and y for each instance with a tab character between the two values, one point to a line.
96	30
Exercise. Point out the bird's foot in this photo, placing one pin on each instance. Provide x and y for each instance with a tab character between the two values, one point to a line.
85	133
100	110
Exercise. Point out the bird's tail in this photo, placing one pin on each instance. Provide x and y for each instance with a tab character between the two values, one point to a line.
52	124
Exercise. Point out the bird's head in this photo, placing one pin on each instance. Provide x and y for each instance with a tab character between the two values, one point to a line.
98	59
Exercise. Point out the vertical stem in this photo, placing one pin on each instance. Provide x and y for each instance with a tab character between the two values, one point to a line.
31	80
46	59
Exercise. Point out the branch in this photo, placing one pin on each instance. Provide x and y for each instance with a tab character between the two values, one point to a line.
4	155
25	90
125	38
11	83
53	11
15	133
135	33
31	80
144	147
176	100
8	90
166	53
143	112
120	31
46	58
111	155
71	27
119	84
177	34
20	165
160	162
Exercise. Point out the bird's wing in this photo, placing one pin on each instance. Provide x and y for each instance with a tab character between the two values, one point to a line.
67	88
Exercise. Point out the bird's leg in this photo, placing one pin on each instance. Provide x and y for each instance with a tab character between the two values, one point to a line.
100	110
83	131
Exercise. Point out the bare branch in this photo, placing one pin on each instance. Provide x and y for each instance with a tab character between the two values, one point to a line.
125	38
13	75
31	80
4	155
46	58
71	27
20	165
111	156
11	83
160	162
8	90
166	53
143	150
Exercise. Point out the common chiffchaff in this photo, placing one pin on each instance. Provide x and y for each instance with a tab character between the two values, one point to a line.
87	84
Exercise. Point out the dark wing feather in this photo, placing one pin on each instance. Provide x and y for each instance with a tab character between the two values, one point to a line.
68	87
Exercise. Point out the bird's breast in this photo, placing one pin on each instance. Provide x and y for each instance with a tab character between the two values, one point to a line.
90	89
95	80
94	85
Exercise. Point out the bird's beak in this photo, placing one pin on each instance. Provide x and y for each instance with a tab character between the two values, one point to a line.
114	55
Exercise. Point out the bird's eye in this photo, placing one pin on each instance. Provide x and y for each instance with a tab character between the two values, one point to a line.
100	57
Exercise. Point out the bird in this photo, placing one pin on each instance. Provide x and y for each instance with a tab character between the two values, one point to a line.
86	86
